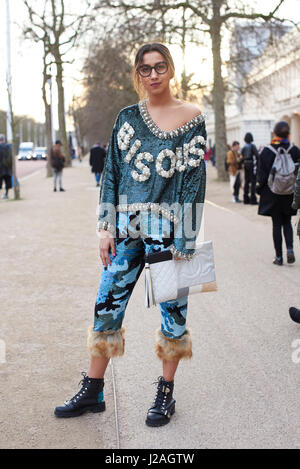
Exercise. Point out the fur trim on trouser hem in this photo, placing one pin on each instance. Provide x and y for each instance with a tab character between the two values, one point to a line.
107	343
173	349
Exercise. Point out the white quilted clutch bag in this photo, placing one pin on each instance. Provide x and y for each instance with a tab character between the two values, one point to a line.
167	279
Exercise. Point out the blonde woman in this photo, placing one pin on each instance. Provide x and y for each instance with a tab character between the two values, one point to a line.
155	159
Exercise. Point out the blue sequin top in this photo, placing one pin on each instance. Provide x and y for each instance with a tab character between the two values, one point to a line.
147	169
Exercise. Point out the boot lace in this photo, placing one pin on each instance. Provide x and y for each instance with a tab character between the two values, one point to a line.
82	391
161	396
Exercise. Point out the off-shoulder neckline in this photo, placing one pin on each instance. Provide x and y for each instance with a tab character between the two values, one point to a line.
172	133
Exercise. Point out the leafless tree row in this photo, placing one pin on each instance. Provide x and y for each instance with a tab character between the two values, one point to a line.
116	29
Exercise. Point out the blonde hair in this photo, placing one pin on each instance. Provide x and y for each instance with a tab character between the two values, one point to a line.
157	47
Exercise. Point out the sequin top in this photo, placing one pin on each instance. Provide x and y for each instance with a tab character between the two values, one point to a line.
147	169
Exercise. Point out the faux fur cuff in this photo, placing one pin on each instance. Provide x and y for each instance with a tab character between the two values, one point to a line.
173	349
107	343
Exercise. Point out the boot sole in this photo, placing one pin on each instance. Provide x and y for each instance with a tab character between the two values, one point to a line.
151	423
94	409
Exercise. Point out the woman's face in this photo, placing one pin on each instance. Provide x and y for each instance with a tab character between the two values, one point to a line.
156	83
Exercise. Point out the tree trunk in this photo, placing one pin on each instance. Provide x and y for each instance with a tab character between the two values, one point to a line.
14	169
47	119
218	94
77	129
61	108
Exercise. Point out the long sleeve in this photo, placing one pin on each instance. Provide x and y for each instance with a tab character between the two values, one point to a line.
264	167
191	197
230	161
296	203
109	186
255	151
255	158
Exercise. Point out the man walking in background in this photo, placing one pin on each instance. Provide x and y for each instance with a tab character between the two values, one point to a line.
250	160
5	165
97	158
57	161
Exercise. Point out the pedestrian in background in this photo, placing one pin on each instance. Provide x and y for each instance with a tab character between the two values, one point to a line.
278	205
57	160
207	156
234	166
79	152
250	159
97	158
5	165
294	312
213	155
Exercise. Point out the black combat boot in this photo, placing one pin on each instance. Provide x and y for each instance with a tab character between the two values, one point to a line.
295	314
163	406
278	261
89	398
290	256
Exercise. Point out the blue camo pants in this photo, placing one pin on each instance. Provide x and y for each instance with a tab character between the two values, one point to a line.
118	281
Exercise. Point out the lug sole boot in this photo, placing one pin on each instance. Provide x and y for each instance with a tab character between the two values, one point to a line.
295	314
88	399
291	257
278	261
163	406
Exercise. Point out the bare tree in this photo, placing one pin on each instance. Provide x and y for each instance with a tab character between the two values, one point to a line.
58	30
48	114
213	17
108	87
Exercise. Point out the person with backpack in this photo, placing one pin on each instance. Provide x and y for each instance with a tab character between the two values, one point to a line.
5	166
295	312
57	161
250	159
234	165
276	177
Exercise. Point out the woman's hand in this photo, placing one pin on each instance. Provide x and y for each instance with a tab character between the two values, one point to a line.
107	243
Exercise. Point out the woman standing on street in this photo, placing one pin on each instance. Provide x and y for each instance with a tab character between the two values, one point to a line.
250	158
155	159
57	161
276	205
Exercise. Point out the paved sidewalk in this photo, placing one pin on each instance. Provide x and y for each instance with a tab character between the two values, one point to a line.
241	389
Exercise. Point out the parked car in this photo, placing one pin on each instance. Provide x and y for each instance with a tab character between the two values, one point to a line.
26	151
40	153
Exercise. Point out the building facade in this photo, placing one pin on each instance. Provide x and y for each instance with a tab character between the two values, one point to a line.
273	95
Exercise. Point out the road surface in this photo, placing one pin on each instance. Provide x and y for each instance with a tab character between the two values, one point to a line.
24	168
240	390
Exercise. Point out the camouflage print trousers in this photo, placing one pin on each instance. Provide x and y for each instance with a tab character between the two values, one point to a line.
118	281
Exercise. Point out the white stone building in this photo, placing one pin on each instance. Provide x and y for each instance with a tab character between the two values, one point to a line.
275	96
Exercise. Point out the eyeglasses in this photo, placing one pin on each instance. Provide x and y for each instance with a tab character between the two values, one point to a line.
146	70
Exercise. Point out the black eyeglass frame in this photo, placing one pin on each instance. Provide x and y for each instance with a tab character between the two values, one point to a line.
151	68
